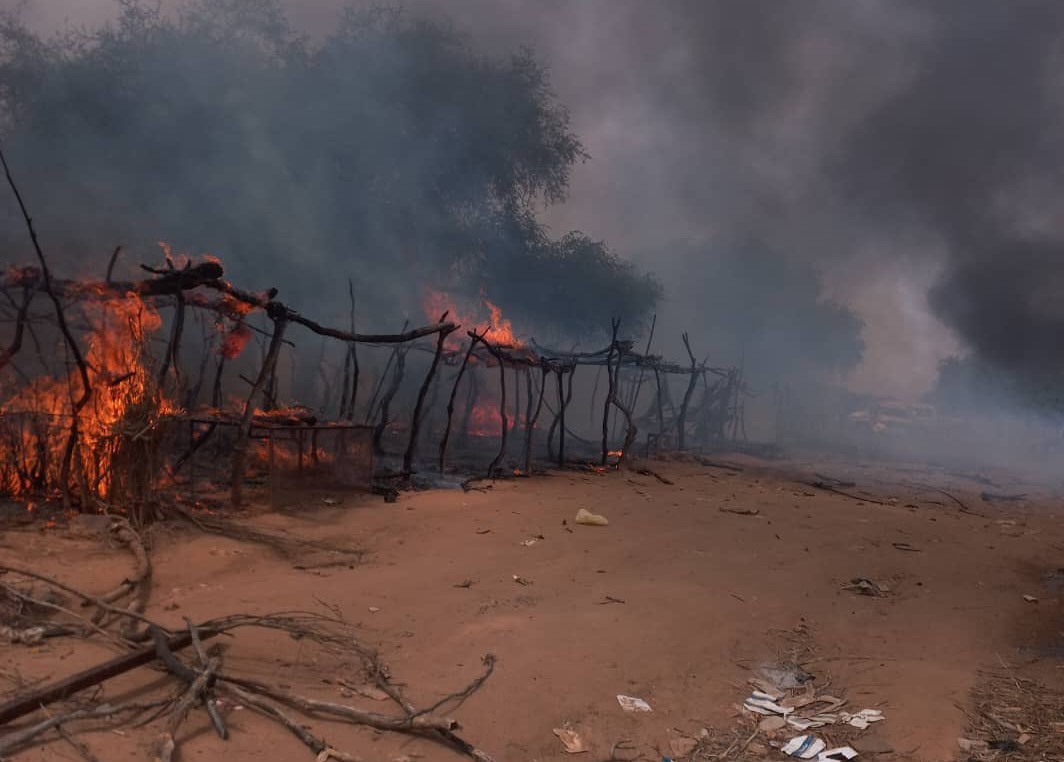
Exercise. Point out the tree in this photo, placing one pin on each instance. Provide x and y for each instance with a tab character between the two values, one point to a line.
391	150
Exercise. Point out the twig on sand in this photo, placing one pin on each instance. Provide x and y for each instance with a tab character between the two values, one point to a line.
655	474
828	488
18	738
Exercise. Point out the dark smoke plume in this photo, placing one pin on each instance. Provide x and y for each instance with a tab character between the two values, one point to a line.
389	150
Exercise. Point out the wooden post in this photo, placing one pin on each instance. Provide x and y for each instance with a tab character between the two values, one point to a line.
450	404
240	447
415	422
693	381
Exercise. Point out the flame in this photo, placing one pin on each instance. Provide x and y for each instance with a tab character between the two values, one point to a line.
234	340
35	420
498	330
616	453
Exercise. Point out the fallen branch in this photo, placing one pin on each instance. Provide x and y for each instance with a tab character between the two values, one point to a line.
655	474
317	745
414	721
89	599
19	738
829	488
20	706
991	497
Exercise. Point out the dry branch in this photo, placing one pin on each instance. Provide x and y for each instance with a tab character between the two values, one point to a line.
19	738
19	706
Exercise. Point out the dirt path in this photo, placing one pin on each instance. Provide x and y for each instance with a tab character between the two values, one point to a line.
675	602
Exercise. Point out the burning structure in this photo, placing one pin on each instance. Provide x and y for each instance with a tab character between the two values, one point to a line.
98	424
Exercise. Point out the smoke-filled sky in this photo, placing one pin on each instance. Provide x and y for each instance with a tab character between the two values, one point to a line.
907	148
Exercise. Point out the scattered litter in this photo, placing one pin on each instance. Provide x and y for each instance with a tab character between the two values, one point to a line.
767	688
682	746
465	584
841	753
906	546
865	586
583	516
764	703
483	531
809	723
374	609
533	540
571	740
862	719
1030	599
740	511
522	581
804	747
632	704
330	501
767	700
607	599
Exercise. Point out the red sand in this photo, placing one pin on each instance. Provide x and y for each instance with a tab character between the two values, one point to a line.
707	596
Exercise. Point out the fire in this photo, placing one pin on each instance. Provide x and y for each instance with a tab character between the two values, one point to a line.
498	330
484	420
126	402
616	453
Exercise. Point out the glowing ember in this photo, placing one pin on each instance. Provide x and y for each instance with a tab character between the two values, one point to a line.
615	453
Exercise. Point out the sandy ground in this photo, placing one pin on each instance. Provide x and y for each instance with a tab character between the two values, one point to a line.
702	598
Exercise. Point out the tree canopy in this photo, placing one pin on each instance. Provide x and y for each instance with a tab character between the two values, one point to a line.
390	151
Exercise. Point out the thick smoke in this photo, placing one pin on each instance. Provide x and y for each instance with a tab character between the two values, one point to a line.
836	132
833	134
388	151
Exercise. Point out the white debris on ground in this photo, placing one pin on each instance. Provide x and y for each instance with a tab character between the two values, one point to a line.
801	707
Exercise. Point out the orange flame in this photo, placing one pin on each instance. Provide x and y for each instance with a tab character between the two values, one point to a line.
498	330
125	396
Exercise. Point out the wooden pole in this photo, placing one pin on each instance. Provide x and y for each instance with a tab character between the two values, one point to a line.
415	422
244	431
693	381
450	404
